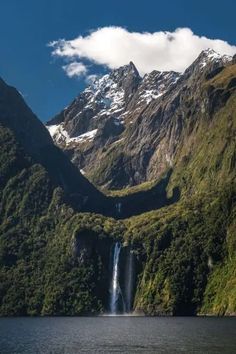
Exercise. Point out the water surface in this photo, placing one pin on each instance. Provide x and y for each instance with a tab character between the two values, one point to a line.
71	335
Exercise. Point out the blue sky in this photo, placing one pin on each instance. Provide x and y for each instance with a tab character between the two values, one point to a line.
27	26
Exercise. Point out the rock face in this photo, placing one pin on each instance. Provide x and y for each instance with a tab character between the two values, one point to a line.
124	130
104	100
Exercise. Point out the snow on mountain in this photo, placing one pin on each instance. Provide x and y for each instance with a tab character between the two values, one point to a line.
112	96
106	97
60	135
209	55
113	99
108	94
155	85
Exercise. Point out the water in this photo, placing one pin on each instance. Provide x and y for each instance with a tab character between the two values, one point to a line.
118	208
129	281
115	288
72	335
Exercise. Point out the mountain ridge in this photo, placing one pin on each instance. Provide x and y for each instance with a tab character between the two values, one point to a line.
113	136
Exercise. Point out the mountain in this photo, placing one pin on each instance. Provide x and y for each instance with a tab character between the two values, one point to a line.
53	260
37	144
40	192
167	241
97	121
132	138
187	250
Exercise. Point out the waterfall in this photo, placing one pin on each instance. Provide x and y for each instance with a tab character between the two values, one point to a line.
129	284
118	208
115	287
123	275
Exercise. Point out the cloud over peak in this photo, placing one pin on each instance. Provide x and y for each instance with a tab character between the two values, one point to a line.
116	46
75	69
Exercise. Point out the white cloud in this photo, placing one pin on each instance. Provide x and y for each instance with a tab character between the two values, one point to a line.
75	69
116	46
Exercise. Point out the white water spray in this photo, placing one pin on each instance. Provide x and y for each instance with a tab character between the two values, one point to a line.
115	287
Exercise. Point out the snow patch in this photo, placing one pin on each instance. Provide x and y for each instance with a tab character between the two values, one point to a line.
86	136
60	135
209	55
150	95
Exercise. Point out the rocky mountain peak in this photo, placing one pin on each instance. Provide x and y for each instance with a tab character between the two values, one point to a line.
127	78
105	98
120	78
208	61
113	101
210	55
121	108
153	85
121	72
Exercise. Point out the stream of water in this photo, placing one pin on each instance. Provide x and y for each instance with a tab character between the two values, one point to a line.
115	288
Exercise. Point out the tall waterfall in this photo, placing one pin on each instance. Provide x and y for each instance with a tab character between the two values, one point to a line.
129	284
115	287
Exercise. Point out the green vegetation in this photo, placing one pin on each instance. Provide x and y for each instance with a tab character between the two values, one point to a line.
220	293
55	261
183	244
131	190
41	272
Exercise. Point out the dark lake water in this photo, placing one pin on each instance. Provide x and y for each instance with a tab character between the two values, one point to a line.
65	335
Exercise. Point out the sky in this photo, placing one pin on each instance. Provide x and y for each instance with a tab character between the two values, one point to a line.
49	49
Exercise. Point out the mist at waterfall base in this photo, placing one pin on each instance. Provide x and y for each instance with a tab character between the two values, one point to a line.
121	297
